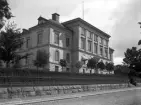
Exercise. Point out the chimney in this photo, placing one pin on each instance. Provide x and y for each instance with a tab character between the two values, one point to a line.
55	17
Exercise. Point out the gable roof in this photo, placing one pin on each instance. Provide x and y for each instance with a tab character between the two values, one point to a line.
84	22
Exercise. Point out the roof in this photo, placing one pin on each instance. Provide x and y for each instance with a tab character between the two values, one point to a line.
111	49
62	25
49	21
57	23
83	21
41	18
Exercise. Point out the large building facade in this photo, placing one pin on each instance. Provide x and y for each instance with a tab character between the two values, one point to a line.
74	40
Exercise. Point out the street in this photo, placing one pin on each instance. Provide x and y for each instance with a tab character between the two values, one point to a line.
132	97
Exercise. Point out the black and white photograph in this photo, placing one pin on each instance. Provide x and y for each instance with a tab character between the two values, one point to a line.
70	52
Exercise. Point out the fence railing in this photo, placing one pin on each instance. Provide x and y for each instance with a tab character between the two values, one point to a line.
29	77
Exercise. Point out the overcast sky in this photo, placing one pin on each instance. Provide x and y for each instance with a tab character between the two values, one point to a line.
118	18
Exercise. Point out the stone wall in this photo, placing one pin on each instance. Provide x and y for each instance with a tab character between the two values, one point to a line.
20	92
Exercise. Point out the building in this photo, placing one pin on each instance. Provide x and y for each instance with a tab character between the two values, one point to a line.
73	40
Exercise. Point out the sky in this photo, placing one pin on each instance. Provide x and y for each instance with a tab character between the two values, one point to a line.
119	18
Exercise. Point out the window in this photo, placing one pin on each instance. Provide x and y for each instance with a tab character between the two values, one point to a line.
82	43
110	56
22	40
83	71
40	37
27	42
27	60
89	46
106	43
106	52
56	68
68	57
101	40
82	31
84	62
56	37
67	42
89	35
95	48
101	50
57	55
95	38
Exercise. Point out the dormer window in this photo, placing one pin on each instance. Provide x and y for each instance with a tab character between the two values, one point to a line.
41	20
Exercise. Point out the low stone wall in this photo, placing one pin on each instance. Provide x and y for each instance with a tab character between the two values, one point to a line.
20	92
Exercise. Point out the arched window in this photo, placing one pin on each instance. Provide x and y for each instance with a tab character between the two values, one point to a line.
57	55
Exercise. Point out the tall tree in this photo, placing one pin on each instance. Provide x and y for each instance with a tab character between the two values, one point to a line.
63	63
10	42
5	12
133	58
42	59
133	61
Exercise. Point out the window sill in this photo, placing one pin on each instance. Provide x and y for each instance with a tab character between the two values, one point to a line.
83	36
89	38
89	51
82	49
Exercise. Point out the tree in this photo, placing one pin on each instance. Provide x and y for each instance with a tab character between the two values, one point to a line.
101	65
5	12
122	70
109	67
63	63
132	56
133	61
78	65
126	71
42	59
92	63
10	42
1	64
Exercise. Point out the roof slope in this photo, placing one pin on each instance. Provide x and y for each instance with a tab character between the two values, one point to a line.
84	22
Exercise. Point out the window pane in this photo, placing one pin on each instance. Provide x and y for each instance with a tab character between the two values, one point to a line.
67	42
101	50
27	42
101	40
39	39
56	68
89	34
56	37
106	52
95	38
22	40
95	48
82	43
82	31
57	56
89	46
106	43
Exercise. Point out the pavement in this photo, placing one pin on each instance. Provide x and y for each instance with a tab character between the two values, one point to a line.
45	99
